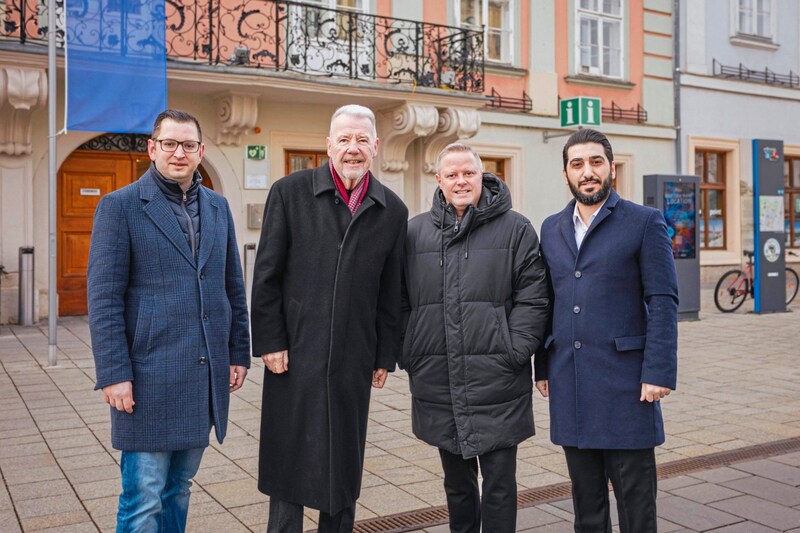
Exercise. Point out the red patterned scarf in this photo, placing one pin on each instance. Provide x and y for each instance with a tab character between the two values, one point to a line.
353	198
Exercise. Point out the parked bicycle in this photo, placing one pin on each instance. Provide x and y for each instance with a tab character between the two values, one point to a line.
735	285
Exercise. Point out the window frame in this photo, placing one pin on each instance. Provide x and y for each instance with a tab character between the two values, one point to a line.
602	18
721	187
507	44
791	195
736	9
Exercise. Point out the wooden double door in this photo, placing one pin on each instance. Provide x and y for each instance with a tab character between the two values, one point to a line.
83	179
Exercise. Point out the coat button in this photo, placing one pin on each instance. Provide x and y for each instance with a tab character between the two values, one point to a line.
205	317
576	309
202	276
578	273
202	360
577	345
336	200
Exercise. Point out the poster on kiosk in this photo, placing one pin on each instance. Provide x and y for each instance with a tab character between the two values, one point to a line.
769	274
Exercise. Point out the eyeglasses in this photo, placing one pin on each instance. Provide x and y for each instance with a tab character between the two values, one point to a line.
171	145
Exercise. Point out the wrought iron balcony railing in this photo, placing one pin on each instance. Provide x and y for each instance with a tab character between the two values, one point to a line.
765	75
285	36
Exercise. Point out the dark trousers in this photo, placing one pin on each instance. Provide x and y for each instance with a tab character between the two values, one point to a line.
287	517
496	508
633	477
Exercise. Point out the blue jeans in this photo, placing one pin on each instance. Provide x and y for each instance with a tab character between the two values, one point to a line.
155	490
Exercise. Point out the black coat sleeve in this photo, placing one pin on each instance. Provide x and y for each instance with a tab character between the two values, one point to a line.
530	302
389	313
267	319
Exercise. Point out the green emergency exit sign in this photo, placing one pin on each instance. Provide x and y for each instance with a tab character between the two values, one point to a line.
581	111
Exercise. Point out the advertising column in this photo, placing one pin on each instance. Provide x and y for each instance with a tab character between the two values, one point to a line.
769	276
676	197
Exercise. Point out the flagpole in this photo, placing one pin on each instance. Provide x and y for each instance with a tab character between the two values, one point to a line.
52	296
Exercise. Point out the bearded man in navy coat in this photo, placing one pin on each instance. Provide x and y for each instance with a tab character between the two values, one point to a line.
611	355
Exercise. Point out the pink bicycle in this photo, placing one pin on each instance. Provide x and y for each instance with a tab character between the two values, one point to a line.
735	285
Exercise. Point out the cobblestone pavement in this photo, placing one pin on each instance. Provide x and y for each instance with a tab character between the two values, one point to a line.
738	385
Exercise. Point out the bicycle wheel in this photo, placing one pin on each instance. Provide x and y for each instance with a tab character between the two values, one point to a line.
791	285
731	291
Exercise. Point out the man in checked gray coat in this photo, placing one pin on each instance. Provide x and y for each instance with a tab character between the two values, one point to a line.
168	319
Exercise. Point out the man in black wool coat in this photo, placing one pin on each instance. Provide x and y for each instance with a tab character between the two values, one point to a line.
326	322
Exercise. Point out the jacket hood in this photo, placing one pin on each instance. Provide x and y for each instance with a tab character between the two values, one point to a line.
494	201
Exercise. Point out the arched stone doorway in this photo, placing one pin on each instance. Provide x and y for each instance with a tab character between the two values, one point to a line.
104	164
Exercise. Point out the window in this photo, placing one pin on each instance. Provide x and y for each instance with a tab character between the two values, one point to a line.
791	177
494	17
495	165
755	18
599	46
710	166
320	23
303	160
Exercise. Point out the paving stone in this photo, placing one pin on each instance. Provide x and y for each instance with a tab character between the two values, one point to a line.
251	515
30	475
9	521
745	527
46	506
706	493
531	517
678	482
406	475
83	527
97	489
693	515
218	522
235	493
720	475
55	520
767	489
761	511
40	489
387	499
783	473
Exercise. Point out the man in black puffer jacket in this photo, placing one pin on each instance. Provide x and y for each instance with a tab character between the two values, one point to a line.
476	305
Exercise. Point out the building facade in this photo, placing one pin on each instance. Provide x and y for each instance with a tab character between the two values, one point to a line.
488	71
739	81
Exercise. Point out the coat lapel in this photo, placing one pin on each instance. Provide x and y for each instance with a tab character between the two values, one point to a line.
606	210
159	211
567	227
209	211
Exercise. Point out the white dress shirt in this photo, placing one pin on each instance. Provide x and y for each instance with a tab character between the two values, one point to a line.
580	227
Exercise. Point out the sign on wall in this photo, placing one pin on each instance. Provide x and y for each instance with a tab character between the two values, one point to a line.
581	111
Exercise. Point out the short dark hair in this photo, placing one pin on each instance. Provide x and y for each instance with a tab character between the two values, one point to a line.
182	117
587	135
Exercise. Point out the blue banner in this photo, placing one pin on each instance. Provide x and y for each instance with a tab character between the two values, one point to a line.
116	65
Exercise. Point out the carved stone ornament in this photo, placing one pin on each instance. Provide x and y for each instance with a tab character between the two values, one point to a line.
400	126
21	92
454	124
236	114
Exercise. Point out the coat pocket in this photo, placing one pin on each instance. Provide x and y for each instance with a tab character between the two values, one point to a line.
505	335
627	344
140	346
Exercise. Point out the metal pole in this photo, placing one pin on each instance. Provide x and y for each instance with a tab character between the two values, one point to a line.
52	313
676	82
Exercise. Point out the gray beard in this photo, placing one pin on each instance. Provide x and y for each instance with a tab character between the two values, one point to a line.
595	198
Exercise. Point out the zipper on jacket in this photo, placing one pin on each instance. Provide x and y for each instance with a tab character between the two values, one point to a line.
192	242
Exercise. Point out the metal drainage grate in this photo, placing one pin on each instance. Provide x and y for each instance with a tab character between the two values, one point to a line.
434	516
